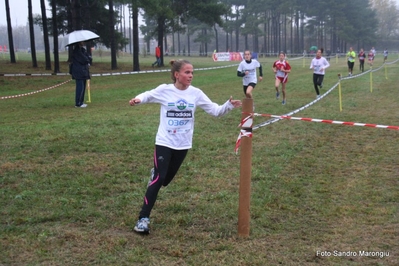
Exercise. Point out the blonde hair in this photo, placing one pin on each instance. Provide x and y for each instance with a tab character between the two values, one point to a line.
176	65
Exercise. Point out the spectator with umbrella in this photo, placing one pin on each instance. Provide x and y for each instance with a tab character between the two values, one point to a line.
81	62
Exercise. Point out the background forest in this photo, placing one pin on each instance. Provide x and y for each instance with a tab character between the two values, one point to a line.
189	27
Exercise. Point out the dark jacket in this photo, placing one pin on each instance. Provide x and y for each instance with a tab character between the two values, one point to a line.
81	61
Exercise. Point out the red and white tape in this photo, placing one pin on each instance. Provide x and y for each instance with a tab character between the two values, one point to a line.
33	92
245	133
328	121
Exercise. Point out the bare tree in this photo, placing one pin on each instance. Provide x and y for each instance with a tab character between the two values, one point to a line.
55	37
136	48
112	34
45	35
32	35
10	38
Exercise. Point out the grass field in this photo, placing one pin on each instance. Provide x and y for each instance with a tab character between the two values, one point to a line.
72	179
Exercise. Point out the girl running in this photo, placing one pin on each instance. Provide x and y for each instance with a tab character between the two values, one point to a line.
319	65
178	101
281	68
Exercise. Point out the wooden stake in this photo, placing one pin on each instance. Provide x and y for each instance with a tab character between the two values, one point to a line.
245	173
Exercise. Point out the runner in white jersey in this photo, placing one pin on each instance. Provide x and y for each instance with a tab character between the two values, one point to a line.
385	55
319	65
247	70
175	132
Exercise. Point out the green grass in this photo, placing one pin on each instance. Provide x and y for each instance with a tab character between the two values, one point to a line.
72	180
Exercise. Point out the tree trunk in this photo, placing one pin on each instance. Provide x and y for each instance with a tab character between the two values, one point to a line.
130	30
216	38
136	43
161	30
75	15
188	42
112	34
206	44
292	35
69	9
237	30
172	52
285	32
9	30
87	24
297	35
32	35
178	42
302	31
45	35
124	25
55	37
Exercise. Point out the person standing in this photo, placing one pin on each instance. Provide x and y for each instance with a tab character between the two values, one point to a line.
178	101
81	62
247	70
351	55
281	68
328	54
319	65
157	56
362	57
370	57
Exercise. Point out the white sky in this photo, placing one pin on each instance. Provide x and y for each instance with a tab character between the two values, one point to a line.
19	11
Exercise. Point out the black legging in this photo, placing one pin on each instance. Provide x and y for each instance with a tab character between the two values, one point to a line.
361	66
351	65
167	162
317	81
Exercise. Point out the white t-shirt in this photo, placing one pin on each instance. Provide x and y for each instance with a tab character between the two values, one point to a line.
385	52
176	125
251	68
318	64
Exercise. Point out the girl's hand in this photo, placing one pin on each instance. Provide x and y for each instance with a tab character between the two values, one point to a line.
235	103
134	101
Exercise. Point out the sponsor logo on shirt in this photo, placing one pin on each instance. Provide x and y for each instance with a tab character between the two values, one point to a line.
181	104
179	114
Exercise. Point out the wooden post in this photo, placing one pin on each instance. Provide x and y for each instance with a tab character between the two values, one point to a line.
245	171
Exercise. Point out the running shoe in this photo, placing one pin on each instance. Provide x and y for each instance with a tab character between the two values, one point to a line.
142	226
283	102
277	95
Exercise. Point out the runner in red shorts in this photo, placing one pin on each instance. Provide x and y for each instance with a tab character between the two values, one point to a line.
281	68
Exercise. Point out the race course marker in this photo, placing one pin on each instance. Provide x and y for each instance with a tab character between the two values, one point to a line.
328	121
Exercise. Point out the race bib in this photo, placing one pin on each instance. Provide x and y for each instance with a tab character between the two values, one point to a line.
280	74
179	122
